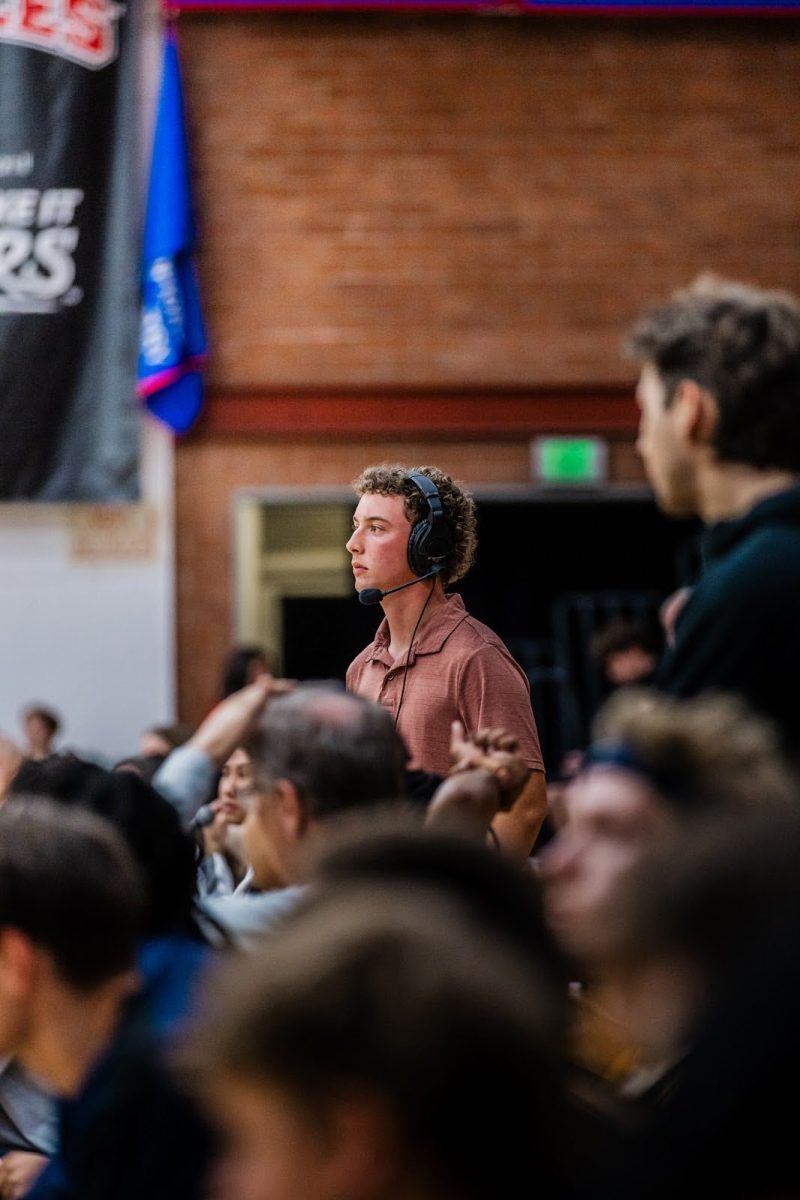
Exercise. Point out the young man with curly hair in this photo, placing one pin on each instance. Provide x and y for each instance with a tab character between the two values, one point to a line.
431	663
719	395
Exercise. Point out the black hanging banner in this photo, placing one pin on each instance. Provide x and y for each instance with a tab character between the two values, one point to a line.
68	251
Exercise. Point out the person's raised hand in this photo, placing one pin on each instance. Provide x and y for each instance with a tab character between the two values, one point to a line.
233	718
492	750
19	1170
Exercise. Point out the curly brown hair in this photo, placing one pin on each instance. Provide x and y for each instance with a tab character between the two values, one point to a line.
392	479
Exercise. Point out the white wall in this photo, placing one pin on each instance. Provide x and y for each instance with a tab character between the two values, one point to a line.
92	637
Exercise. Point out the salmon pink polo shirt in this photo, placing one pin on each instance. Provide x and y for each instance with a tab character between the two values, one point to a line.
458	669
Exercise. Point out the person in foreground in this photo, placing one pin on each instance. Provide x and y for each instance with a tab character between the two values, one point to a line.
67	939
719	434
707	971
323	755
127	1131
381	1047
656	769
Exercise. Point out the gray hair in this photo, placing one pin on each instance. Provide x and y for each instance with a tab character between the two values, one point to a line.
339	750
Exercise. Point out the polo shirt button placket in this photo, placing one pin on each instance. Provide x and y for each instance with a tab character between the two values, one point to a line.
390	683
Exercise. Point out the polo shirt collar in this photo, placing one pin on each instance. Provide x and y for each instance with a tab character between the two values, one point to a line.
432	636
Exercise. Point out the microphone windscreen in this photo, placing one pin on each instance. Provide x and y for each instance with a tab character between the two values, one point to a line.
370	596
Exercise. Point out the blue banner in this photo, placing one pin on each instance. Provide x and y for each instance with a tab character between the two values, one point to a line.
172	347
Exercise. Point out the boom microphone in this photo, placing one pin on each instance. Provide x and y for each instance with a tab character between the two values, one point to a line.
375	595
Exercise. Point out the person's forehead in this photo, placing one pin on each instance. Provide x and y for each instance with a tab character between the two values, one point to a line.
239	758
384	508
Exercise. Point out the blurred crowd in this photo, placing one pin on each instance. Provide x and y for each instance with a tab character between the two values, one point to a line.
284	956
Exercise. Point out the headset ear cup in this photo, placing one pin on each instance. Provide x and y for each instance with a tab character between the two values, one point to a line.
417	552
430	542
438	547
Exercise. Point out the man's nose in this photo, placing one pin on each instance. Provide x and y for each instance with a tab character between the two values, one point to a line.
352	542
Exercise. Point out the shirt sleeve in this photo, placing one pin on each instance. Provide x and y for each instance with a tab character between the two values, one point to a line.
493	692
214	876
186	779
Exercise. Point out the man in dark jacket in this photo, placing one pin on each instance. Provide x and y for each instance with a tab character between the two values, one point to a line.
719	434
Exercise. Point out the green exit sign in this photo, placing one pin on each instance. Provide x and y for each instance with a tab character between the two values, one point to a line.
569	460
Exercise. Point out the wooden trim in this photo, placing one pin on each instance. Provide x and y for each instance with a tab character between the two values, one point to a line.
409	413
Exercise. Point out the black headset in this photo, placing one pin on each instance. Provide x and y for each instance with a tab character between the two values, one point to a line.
430	541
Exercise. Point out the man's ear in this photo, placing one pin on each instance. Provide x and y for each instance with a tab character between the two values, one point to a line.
290	809
695	411
19	964
361	1148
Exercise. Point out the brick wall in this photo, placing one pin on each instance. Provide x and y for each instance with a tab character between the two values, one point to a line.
414	200
429	200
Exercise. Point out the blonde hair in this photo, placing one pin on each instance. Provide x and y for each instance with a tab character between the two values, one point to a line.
713	746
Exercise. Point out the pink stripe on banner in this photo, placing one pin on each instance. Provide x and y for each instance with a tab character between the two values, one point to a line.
163	379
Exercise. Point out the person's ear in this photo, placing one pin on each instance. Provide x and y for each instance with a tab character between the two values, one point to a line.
18	964
290	809
362	1153
695	411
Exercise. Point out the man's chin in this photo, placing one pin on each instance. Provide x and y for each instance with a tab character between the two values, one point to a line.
674	505
681	512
